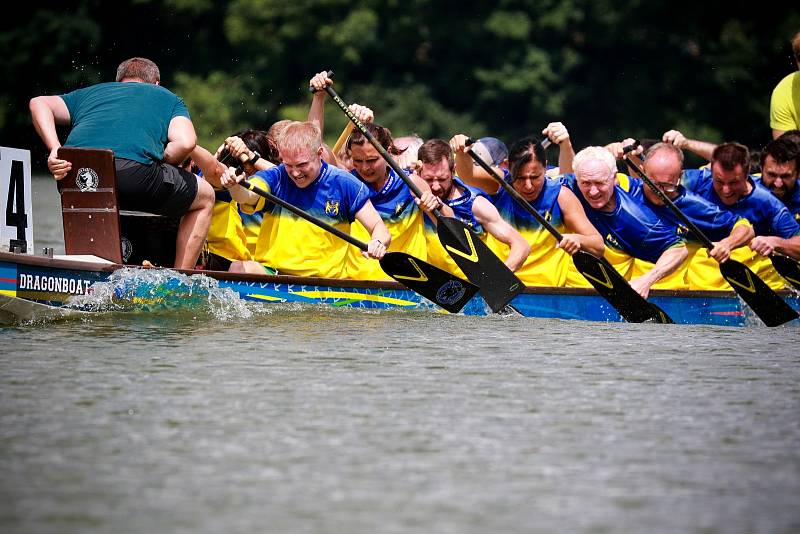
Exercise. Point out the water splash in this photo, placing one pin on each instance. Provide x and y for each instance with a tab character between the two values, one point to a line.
160	290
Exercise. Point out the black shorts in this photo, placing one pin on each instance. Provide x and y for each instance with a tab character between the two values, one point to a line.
215	262
154	188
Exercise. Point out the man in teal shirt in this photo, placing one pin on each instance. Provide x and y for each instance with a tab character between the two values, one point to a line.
150	132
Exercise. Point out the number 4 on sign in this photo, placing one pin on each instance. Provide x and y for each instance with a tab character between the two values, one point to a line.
16	207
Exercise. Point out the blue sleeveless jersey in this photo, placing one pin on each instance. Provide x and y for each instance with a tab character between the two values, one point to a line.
462	209
546	204
546	265
395	201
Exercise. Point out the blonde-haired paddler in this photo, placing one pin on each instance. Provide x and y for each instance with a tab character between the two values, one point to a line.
400	210
292	245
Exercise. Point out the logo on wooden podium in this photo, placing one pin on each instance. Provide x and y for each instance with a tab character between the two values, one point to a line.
87	179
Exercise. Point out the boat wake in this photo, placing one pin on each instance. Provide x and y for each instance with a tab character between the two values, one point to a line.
162	290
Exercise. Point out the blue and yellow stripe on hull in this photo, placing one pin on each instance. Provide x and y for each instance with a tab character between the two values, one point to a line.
336	297
37	280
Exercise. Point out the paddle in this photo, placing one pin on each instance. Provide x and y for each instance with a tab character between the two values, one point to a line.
769	307
787	268
498	285
611	285
436	285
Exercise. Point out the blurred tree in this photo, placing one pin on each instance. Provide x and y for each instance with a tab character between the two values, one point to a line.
606	69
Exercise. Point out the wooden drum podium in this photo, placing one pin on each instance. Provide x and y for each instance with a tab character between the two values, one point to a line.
93	222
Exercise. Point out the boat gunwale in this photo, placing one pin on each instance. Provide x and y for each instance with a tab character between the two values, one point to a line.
62	263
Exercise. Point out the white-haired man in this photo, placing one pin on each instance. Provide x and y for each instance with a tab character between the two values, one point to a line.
630	229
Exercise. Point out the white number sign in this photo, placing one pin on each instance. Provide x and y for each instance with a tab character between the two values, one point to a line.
16	207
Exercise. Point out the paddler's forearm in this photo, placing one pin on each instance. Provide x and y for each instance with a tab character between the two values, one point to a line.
316	113
667	263
212	169
740	236
381	233
565	156
244	196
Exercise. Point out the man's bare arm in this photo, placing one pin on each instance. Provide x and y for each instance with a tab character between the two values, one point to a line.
181	140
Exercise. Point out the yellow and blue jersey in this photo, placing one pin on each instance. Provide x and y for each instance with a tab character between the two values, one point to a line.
698	271
251	224
792	203
295	246
767	214
226	235
631	231
402	217
631	227
546	264
462	210
716	223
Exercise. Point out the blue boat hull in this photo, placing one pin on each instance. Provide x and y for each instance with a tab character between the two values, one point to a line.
53	282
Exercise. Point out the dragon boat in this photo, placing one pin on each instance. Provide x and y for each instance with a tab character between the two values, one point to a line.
100	241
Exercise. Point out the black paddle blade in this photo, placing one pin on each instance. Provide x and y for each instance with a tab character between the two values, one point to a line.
617	291
435	284
787	268
498	285
764	302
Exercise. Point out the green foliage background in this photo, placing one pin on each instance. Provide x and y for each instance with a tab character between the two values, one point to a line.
504	68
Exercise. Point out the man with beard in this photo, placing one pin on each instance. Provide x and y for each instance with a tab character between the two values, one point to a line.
469	204
780	166
727	184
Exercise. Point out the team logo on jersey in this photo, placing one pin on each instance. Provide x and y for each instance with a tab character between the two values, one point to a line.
87	179
613	242
682	230
548	216
332	208
398	208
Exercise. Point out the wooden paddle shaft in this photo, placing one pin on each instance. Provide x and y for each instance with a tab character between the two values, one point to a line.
343	137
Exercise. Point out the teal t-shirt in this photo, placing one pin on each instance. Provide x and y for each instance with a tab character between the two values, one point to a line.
130	118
